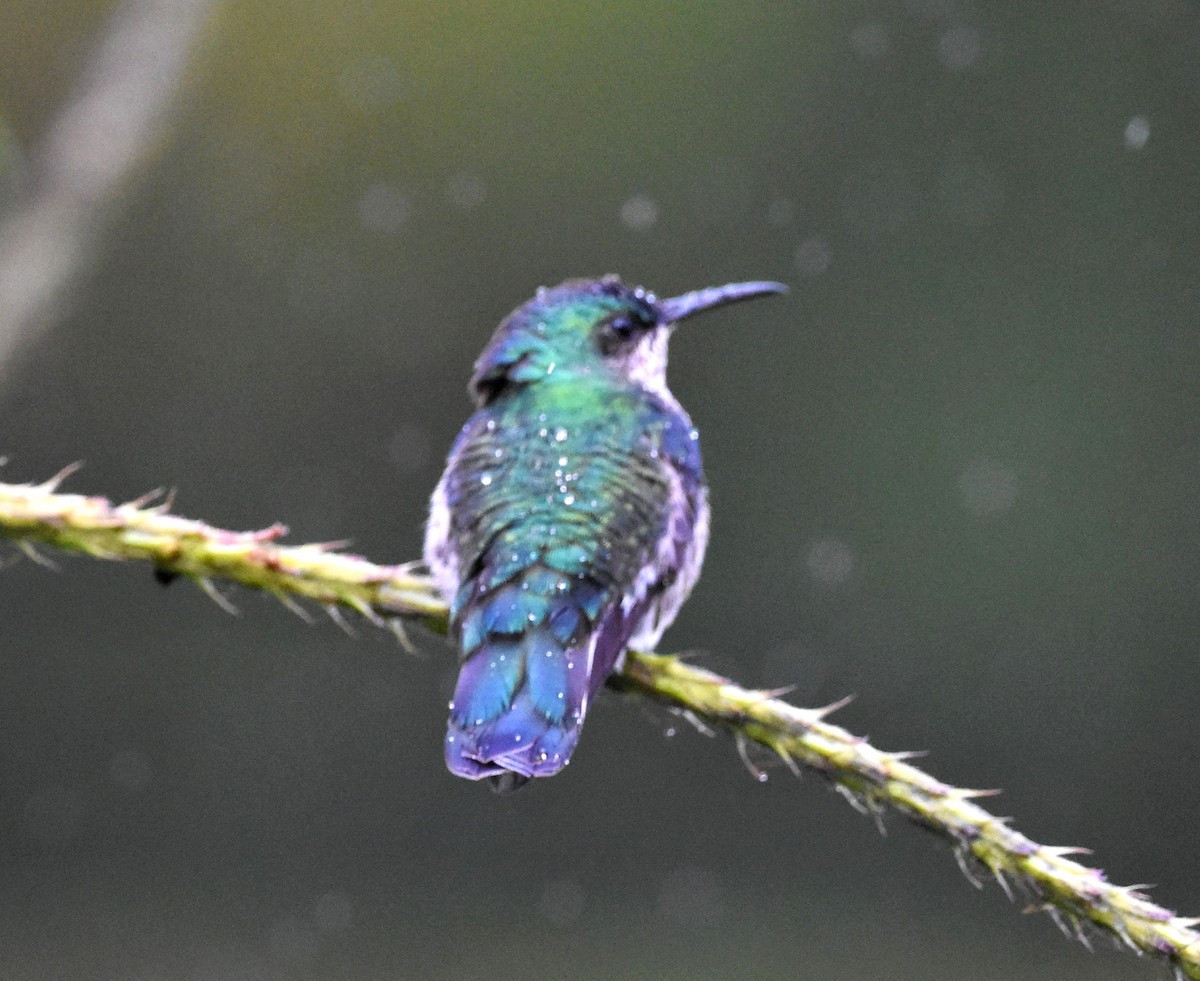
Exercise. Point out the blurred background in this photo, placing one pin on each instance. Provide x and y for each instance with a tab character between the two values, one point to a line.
956	473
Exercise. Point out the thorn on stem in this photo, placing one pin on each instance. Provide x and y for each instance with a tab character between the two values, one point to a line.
767	694
1081	934
964	866
32	553
364	610
1059	919
292	606
337	545
790	762
1002	879
852	799
54	482
396	626
216	596
876	811
335	614
699	725
832	707
140	502
1061	851
1117	925
903	755
743	748
270	534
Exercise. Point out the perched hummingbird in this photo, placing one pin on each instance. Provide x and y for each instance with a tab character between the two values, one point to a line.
572	518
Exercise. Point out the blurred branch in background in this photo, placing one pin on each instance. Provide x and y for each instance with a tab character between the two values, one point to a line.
76	175
1073	894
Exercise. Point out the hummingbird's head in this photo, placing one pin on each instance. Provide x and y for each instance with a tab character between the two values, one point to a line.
593	327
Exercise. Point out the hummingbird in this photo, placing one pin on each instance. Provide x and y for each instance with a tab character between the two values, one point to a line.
572	518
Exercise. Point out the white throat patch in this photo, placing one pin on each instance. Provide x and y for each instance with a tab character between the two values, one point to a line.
647	365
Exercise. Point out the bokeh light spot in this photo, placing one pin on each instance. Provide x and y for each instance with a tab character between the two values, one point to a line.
1137	132
639	213
959	48
830	560
987	487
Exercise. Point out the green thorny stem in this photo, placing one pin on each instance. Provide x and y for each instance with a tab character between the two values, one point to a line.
1073	894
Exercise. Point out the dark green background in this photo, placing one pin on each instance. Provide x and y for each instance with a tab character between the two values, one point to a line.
957	473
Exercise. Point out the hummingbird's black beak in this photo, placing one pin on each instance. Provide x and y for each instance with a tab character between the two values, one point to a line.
676	308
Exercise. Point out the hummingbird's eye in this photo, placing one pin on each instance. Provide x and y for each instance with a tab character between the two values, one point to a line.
618	332
622	327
